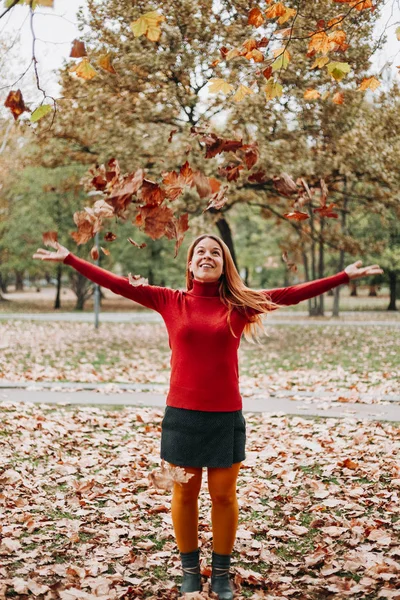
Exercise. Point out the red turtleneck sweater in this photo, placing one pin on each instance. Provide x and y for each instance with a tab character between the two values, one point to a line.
204	359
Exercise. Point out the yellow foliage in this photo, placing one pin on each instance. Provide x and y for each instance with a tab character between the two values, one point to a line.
241	93
219	85
148	25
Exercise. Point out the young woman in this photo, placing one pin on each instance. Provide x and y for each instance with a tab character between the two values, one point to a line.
203	424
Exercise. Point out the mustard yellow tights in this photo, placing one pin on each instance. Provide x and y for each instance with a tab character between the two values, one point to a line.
224	509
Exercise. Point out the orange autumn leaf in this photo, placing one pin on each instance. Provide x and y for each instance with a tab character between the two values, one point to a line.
296	215
151	193
311	94
255	17
277	9
105	251
338	98
105	63
140	246
371	83
288	14
94	253
156	220
256	55
49	237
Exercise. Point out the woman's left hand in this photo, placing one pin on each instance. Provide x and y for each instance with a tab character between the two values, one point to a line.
355	271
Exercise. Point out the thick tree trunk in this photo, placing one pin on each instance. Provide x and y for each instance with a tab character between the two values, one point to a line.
57	303
226	234
82	288
393	285
19	281
353	289
3	285
373	290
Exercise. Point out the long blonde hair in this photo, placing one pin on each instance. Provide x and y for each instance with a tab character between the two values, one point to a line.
234	293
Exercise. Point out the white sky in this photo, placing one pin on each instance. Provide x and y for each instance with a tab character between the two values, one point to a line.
56	28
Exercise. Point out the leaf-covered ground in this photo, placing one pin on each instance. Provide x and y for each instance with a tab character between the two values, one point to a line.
313	358
79	518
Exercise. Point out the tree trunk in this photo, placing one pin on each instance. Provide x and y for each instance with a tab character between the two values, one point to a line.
321	268
19	281
336	291
312	303
57	303
82	288
226	234
372	290
3	285
353	289
393	285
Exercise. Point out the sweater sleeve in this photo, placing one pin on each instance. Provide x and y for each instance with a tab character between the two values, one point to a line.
151	296
303	291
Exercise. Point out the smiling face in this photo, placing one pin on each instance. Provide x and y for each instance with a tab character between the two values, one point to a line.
207	262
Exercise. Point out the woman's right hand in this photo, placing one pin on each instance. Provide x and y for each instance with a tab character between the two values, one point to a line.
59	256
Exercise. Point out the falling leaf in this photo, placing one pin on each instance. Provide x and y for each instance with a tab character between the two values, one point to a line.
273	89
171	134
241	93
136	280
217	200
231	172
398	32
49	237
84	70
78	49
104	63
156	220
371	83
219	85
311	94
110	236
168	475
296	216
140	246
285	185
105	251
40	111
338	70
151	193
15	103
255	17
327	211
94	253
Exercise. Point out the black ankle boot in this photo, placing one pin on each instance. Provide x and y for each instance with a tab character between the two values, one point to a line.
191	572
220	583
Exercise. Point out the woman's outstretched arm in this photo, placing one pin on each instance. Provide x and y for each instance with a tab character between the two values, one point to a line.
310	289
151	296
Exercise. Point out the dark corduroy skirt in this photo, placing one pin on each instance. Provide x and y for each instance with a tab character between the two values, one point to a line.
196	438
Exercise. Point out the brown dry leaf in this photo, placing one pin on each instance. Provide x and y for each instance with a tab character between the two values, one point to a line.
15	103
94	253
168	475
140	246
104	63
78	49
136	280
49	237
218	199
255	17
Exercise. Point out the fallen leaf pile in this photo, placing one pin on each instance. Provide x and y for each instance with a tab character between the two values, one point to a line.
79	518
298	358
